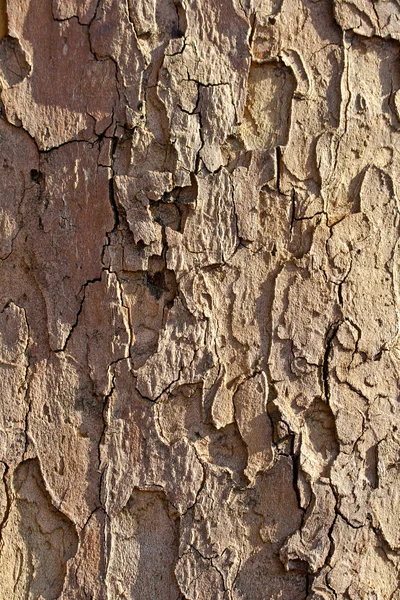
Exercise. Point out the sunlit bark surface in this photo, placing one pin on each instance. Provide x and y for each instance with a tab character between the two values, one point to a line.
199	300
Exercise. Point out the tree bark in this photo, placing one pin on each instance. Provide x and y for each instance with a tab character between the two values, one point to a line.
199	300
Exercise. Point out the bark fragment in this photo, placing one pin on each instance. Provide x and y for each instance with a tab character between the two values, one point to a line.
199	303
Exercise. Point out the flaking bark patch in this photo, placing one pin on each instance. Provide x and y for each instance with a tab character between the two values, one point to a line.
199	300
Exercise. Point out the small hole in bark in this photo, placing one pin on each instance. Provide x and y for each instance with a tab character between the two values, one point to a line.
35	175
272	20
156	284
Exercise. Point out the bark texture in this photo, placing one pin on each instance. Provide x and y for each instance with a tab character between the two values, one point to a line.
199	300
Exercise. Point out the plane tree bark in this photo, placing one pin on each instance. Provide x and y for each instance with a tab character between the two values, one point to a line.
199	302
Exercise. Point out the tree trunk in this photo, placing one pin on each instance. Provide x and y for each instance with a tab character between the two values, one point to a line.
199	300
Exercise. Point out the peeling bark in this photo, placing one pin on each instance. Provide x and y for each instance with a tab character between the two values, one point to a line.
199	307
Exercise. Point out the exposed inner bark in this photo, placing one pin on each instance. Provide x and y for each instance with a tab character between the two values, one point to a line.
199	307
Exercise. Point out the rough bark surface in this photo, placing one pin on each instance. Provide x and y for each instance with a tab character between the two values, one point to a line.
199	300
